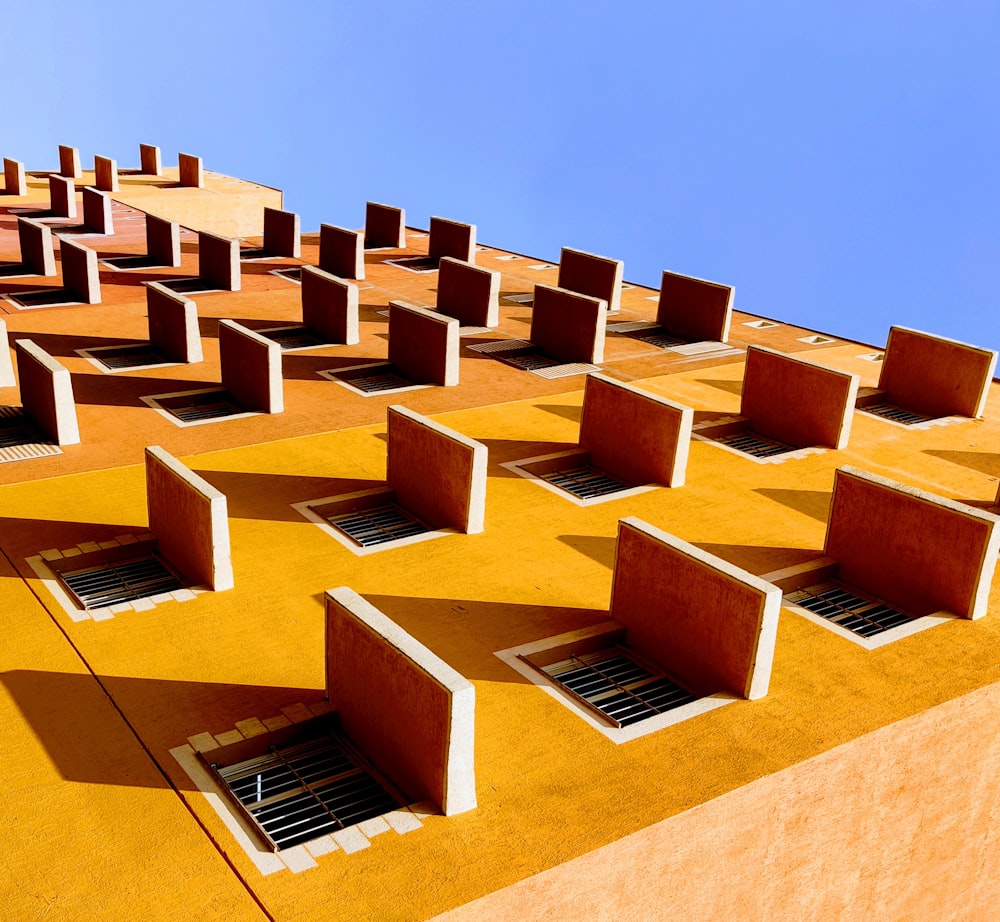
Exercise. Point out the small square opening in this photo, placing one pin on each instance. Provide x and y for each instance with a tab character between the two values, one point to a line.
645	331
736	434
193	407
371	520
415	263
20	440
122	358
849	608
292	338
521	354
372	380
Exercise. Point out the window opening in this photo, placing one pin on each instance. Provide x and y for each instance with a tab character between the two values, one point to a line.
118	358
415	263
752	443
122	581
189	408
378	524
293	337
645	331
19	439
584	481
895	414
864	616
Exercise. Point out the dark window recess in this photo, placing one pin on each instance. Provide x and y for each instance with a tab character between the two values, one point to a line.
293	275
752	443
300	792
374	379
651	334
894	413
251	253
195	285
378	524
44	297
415	263
293	337
127	357
122	581
613	683
584	481
863	616
16	428
135	262
190	408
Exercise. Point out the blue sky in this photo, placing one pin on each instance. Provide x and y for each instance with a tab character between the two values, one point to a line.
836	162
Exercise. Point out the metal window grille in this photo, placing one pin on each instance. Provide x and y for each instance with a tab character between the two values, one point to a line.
863	616
300	792
375	379
378	524
292	275
250	253
894	413
196	407
122	357
122	581
293	338
752	443
19	440
584	481
616	686
123	263
651	333
415	263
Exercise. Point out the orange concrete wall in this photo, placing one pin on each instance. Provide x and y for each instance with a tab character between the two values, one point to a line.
936	376
898	824
468	293
62	196
330	306
106	174
173	324
568	326
385	226
406	709
14	180
282	233
695	309
451	238
423	344
189	518
708	623
149	160
251	368
7	378
80	272
69	162
437	473
219	261
37	252
47	393
635	436
796	401
97	211
592	275
163	241
341	252
190	171
911	548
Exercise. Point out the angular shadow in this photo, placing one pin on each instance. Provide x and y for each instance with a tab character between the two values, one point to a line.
596	548
814	503
87	740
730	387
26	537
270	496
302	367
504	450
986	462
573	414
758	559
125	390
63	344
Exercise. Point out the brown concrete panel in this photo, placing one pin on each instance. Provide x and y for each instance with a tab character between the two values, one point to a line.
707	622
568	326
189	171
47	393
149	160
14	180
330	306
80	273
97	211
219	261
282	233
468	293
342	252
633	435
163	241
106	174
173	324
7	378
437	473
935	376
797	401
592	275
37	251
385	226
451	238
62	196
695	309
405	708
251	368
69	162
911	548
423	344
190	520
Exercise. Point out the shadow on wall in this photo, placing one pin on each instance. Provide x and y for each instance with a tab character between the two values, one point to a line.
22	538
986	462
87	740
814	503
730	387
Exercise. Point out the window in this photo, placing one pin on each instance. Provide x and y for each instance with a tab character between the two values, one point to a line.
645	331
307	786
894	414
19	439
107	584
415	263
522	354
372	379
293	337
189	408
122	358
